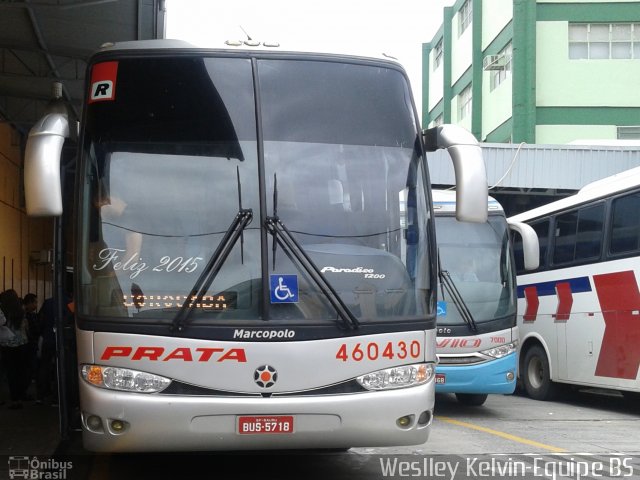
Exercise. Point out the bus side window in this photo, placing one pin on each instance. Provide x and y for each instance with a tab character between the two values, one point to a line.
541	228
542	231
516	241
590	232
578	235
564	245
625	224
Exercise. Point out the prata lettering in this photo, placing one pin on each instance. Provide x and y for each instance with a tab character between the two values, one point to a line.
263	334
157	354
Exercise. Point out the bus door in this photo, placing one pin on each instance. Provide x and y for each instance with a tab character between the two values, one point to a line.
64	309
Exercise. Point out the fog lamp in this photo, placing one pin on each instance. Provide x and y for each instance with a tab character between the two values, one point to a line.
405	421
118	426
94	423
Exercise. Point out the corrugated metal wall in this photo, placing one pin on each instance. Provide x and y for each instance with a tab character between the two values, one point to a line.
542	166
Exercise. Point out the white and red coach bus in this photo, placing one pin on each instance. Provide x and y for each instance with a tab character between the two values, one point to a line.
579	312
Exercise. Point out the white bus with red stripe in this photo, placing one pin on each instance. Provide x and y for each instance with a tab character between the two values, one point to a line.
255	262
579	312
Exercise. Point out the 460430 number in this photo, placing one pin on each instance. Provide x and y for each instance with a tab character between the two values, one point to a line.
375	350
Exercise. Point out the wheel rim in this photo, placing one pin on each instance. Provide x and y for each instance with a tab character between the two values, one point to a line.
535	372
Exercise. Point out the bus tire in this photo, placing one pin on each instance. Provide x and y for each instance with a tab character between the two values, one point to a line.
472	399
537	375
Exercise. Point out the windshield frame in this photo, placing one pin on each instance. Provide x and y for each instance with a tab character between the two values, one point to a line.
505	269
426	321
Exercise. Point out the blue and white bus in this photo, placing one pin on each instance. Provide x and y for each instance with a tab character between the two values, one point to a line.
477	333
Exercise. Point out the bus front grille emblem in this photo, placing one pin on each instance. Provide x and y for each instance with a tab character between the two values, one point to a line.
265	376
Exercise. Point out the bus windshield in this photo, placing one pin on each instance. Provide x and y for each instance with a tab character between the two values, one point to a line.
478	260
185	143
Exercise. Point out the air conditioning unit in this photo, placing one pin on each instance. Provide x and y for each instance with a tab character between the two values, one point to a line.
495	62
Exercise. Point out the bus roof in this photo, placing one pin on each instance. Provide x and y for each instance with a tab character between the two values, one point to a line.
599	189
248	48
444	201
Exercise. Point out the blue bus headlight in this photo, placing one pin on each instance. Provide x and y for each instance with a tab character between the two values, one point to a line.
124	379
398	377
502	350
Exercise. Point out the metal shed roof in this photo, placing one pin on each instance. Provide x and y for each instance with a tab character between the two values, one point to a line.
43	41
542	166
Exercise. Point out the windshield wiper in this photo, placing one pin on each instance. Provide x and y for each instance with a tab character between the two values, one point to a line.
458	301
200	288
208	275
282	236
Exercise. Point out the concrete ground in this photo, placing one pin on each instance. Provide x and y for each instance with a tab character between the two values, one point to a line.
31	430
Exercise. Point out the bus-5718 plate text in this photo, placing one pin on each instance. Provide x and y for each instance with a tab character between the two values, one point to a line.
265	424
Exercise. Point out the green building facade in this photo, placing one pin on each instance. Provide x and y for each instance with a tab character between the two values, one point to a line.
536	71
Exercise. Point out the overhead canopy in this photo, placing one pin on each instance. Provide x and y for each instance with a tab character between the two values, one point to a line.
47	41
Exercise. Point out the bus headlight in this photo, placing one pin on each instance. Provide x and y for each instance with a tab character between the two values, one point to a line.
398	377
124	379
502	350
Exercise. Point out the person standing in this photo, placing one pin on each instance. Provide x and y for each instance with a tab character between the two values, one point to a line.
46	378
15	353
30	304
4	338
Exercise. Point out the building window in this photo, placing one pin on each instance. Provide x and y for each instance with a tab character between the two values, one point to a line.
500	75
604	41
464	103
464	17
437	55
629	133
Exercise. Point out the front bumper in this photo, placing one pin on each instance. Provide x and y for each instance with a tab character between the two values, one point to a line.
156	422
487	377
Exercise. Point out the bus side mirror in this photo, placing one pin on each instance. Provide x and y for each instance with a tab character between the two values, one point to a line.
530	245
471	176
43	191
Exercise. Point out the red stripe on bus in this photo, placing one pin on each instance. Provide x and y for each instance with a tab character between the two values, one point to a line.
620	351
565	301
531	312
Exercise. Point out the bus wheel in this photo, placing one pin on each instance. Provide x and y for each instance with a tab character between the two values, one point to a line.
472	399
537	376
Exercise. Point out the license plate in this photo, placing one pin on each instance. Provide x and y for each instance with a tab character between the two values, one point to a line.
265	424
441	379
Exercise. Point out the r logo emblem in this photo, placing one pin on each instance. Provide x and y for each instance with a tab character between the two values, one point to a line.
102	90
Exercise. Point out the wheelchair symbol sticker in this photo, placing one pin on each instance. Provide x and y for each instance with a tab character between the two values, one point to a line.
442	309
284	288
